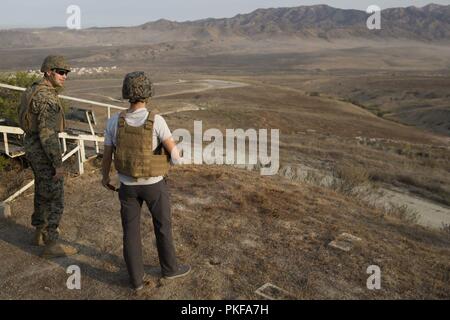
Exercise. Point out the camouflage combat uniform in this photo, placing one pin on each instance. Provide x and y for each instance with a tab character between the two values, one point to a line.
43	151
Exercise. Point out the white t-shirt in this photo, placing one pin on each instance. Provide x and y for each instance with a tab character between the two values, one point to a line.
137	118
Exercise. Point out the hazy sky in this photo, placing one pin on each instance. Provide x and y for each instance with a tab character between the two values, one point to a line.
46	13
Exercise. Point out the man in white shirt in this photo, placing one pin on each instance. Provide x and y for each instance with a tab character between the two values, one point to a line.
134	136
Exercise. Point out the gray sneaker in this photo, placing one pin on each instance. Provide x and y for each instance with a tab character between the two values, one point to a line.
183	270
145	281
138	288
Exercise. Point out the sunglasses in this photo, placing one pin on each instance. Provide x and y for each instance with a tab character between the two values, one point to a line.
61	72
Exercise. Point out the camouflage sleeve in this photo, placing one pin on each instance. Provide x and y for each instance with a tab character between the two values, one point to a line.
47	111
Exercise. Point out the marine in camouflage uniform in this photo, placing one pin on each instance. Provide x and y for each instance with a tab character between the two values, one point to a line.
42	117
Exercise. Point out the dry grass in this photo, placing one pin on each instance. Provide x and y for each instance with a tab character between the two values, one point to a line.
446	228
293	223
402	212
427	177
348	178
237	236
13	178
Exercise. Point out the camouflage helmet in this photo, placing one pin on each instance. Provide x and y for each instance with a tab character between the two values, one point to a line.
137	86
55	62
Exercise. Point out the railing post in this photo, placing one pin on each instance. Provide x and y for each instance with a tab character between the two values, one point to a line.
64	145
97	151
80	158
82	151
5	140
93	118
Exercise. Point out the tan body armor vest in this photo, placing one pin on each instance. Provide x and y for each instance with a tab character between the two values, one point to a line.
29	120
134	155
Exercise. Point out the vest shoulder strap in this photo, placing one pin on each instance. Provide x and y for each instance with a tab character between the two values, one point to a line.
34	91
25	107
151	119
121	122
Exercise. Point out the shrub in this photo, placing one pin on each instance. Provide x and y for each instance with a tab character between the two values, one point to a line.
4	163
348	178
9	99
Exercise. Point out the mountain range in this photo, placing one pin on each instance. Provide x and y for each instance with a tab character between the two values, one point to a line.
428	24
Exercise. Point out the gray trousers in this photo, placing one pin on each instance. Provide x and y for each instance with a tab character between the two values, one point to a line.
156	196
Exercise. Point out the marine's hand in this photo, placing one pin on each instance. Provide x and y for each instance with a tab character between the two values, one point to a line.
105	182
59	173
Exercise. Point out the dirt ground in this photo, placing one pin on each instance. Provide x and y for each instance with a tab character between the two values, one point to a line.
238	236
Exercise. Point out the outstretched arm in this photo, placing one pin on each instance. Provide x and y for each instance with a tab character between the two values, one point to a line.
171	147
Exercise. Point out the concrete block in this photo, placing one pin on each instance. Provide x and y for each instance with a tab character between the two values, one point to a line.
344	242
272	292
341	245
349	237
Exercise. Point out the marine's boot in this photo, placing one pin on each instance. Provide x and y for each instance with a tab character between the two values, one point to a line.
54	249
39	237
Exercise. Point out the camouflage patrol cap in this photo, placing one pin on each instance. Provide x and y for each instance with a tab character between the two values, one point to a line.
137	85
55	62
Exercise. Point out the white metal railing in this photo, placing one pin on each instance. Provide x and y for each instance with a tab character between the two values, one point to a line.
31	183
80	142
64	136
79	149
5	130
14	130
106	105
